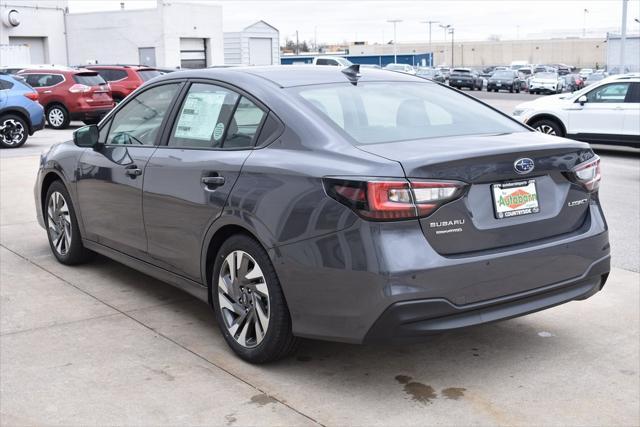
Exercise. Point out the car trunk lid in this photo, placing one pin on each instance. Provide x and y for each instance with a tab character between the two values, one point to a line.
472	222
97	91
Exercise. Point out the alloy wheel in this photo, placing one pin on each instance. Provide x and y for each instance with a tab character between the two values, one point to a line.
243	297
11	132
56	117
59	223
546	129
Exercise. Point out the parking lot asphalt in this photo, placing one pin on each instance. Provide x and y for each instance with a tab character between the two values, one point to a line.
104	344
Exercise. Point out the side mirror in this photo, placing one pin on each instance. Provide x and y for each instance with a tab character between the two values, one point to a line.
87	137
582	100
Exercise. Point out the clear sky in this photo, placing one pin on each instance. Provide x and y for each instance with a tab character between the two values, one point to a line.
337	21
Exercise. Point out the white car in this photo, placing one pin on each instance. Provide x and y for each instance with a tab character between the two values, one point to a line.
607	112
546	82
332	60
403	68
585	72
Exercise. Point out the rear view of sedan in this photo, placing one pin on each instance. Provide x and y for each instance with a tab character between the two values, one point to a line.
346	205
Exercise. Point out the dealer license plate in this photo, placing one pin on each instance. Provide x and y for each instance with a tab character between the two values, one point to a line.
515	198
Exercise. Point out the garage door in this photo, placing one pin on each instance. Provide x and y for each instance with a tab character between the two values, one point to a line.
260	52
193	53
36	48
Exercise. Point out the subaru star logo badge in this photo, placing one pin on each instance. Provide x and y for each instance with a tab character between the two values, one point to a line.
524	165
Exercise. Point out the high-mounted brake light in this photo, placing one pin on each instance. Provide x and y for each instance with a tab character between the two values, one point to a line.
79	88
588	174
391	199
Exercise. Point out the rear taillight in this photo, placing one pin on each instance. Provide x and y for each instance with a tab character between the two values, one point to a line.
78	88
32	96
391	199
588	174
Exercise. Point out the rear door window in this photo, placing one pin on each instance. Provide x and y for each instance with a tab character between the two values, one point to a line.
89	79
204	117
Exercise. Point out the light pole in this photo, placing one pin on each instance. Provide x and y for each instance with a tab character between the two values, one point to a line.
395	40
584	22
451	30
444	53
623	34
430	49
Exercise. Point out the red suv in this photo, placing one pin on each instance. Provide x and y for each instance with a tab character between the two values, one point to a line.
70	94
124	79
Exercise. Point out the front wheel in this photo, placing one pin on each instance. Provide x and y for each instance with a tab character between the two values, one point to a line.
13	131
58	117
250	308
549	127
62	226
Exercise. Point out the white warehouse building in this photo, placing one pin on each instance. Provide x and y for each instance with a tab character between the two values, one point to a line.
33	32
173	34
257	44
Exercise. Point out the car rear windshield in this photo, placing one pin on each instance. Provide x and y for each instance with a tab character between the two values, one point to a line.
546	75
503	74
390	111
89	79
146	75
460	71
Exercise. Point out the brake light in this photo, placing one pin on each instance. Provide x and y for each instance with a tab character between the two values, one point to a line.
588	174
391	199
32	96
79	88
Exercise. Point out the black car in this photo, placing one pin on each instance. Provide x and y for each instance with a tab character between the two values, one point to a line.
431	74
465	77
504	80
348	205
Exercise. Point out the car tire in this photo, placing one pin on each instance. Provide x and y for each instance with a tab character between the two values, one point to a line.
62	226
58	117
244	305
13	131
549	127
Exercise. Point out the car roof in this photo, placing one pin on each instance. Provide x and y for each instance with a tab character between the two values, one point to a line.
292	75
119	67
56	71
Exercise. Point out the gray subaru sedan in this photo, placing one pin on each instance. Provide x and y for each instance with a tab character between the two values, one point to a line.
338	204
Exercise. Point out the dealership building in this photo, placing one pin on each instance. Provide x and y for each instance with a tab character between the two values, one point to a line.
175	33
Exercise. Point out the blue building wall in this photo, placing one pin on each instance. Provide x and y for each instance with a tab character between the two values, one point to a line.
417	59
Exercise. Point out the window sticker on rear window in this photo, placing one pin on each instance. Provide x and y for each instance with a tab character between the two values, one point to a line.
199	115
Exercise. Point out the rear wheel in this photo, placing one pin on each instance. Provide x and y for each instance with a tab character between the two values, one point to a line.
250	308
13	131
62	226
547	126
58	117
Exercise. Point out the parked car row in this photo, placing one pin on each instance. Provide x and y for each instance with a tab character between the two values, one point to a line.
62	94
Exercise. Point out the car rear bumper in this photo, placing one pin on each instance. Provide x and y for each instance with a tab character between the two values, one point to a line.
96	113
410	320
339	286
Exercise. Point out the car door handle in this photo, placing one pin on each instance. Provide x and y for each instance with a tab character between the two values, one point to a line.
47	91
213	181
133	171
